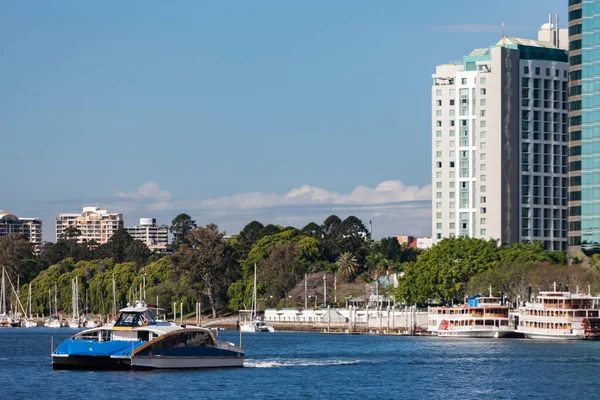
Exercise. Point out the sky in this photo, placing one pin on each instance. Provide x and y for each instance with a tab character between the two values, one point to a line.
277	111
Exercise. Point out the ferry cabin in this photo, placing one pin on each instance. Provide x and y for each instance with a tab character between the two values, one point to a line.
467	316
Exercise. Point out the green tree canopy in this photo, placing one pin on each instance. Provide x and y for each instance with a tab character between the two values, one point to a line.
181	226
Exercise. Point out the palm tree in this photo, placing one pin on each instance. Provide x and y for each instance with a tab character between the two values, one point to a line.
347	265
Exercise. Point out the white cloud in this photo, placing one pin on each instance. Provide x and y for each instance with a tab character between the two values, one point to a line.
385	192
148	190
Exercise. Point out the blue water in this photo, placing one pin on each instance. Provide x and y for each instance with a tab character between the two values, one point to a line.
315	366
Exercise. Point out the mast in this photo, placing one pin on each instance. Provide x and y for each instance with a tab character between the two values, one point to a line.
254	306
56	299
29	308
3	294
114	293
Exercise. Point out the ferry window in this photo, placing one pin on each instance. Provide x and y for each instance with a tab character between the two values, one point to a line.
131	319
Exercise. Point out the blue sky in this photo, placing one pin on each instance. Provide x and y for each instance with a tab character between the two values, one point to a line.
285	112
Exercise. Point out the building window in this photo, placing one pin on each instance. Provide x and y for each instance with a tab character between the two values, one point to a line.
438	92
482	146
526	70
482	113
438	164
438	133
438	123
451	122
438	195
438	103
438	175
482	167
557	73
451	143
451	93
451	174
482	199
452	102
438	185
482	102
451	154
438	215
439	225
438	144
438	154
451	133
452	185
537	70
482	124
438	236
483	135
483	81
438	205
547	71
451	164
438	113
482	178
483	232
451	113
452	215
482	189
452	194
451	204
452	225
482	210
482	91
482	221
463	81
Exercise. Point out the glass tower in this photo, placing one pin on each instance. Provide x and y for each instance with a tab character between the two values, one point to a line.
584	127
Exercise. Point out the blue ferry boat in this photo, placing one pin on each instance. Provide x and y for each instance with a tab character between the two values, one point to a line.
138	340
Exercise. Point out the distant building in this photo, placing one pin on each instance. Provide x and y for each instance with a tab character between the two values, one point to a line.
154	236
93	223
31	228
410	241
424	243
499	143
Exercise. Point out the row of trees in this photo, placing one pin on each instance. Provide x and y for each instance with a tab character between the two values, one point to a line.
336	256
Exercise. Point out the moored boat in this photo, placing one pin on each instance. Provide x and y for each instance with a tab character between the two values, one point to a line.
559	315
138	341
481	317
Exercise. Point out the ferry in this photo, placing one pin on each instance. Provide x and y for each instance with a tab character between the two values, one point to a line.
481	317
139	340
559	315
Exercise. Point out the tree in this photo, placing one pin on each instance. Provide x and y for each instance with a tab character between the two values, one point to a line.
347	266
312	230
14	249
251	234
443	272
70	233
201	262
116	245
181	226
137	252
270	230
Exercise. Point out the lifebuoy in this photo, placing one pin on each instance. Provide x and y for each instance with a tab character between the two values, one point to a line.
444	325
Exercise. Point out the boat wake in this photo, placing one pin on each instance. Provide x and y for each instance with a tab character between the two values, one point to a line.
296	363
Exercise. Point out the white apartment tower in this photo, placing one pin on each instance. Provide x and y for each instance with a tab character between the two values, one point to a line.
31	228
499	145
156	237
93	223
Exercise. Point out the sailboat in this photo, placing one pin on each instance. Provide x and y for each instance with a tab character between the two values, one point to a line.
255	324
74	322
29	322
5	317
54	321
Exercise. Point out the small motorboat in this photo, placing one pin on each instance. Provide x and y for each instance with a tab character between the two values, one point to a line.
137	340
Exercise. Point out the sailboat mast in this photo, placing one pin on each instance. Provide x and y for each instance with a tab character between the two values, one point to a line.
114	293
3	294
29	308
56	299
254	305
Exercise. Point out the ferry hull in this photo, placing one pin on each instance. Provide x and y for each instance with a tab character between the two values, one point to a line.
549	336
90	362
127	363
187	362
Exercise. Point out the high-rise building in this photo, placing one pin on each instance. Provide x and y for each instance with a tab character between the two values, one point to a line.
156	237
31	228
584	128
499	144
93	224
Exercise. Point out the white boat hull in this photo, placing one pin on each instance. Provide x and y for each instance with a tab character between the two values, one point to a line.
494	333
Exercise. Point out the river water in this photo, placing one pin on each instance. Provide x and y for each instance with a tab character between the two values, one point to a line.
314	366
